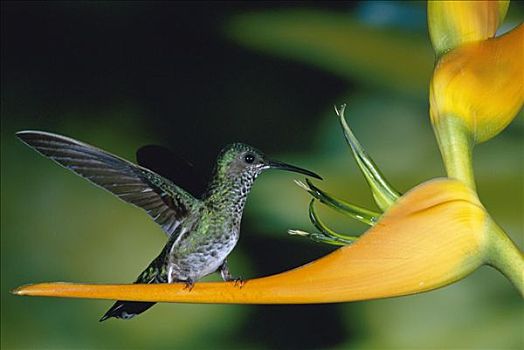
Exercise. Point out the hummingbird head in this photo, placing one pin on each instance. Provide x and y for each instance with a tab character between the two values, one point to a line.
241	161
237	167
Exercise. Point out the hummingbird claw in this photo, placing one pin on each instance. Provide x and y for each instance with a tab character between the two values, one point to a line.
189	285
238	282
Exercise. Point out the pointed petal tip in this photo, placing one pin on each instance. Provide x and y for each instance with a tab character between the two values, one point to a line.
20	290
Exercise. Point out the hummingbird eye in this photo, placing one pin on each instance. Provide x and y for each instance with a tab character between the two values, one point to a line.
249	158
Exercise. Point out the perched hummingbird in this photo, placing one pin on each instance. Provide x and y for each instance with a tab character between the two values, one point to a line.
201	231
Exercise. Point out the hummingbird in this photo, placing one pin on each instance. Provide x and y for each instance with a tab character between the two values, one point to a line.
202	230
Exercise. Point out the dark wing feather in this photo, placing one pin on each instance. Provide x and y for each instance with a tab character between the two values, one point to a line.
165	202
173	167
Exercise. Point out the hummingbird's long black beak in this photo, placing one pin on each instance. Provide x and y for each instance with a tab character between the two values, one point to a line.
273	164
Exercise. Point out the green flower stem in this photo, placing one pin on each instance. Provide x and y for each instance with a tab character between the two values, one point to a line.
456	145
505	256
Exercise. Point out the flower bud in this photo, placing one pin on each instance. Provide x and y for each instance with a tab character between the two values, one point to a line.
481	85
454	23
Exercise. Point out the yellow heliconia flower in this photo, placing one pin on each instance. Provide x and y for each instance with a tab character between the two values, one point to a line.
432	236
454	23
480	84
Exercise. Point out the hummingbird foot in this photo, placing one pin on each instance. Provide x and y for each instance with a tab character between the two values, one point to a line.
238	282
188	285
227	277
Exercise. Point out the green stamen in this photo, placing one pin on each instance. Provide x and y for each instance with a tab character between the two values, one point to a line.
383	193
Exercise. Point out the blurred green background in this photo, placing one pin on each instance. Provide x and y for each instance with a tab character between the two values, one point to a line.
193	77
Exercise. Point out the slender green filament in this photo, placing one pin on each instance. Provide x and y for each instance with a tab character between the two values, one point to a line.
383	193
315	220
361	214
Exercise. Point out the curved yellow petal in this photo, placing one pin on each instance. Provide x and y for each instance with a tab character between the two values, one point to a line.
453	23
430	237
481	85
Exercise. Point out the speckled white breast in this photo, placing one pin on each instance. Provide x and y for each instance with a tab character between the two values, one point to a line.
205	260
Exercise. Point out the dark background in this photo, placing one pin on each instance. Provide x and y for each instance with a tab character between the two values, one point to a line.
120	75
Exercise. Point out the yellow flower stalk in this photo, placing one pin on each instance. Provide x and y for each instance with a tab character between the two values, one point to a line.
432	236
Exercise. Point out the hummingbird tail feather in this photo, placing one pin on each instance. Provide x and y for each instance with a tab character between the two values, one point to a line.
126	309
129	309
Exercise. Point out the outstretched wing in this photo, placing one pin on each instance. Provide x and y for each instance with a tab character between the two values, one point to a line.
165	202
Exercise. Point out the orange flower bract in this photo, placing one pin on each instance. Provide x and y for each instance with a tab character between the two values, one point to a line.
431	237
